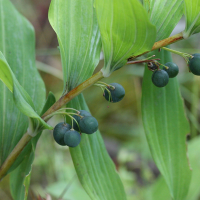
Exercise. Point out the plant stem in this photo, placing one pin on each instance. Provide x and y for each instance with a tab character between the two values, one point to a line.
167	41
163	43
73	93
14	154
68	97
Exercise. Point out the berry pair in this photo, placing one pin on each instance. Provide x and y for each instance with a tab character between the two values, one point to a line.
160	77
64	135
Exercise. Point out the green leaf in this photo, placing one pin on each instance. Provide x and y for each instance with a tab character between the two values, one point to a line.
159	189
125	31
79	39
20	178
21	98
164	14
192	15
166	128
49	102
18	47
94	168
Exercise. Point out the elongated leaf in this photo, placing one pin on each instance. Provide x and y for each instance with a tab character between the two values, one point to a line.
20	178
166	128
79	39
94	167
49	102
17	43
159	189
164	14
192	15
21	98
125	31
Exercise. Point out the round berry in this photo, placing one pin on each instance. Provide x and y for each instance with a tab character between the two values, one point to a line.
117	93
172	69
82	113
59	132
72	138
160	78
88	125
194	64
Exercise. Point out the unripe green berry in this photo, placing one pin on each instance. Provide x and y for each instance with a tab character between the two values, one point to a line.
172	69
160	78
88	125
59	132
72	138
117	93
194	64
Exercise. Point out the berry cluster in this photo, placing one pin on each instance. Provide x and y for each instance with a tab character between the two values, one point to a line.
160	77
66	134
83	121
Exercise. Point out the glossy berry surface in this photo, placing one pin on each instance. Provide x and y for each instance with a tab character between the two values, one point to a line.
72	138
172	69
83	113
59	132
160	78
194	64
116	94
88	125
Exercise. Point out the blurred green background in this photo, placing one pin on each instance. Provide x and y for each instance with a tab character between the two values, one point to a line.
53	175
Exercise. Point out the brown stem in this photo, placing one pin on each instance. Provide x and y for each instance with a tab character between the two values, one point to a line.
14	154
73	93
163	43
65	99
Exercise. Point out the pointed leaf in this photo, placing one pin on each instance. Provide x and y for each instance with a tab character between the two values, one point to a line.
93	165
51	99
21	98
18	47
125	31
20	178
166	128
192	15
159	189
164	14
79	39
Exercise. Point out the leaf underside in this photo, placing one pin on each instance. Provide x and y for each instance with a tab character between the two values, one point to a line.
79	39
164	14
125	31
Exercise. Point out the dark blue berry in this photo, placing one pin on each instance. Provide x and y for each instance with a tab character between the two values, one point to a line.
194	64
72	138
160	78
172	69
117	93
59	132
